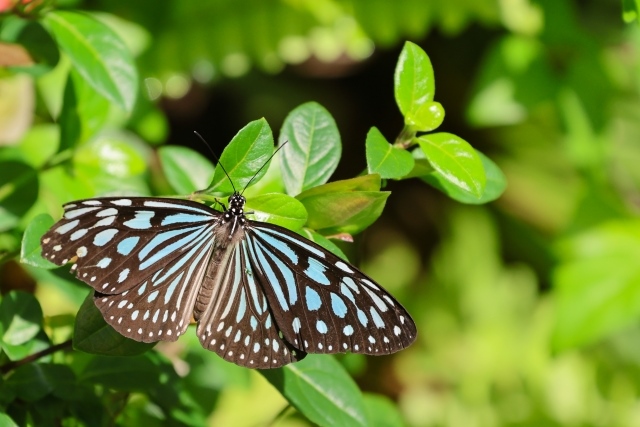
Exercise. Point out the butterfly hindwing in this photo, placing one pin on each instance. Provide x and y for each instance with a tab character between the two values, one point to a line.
238	322
321	303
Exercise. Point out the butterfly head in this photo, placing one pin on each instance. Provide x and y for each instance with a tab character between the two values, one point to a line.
236	204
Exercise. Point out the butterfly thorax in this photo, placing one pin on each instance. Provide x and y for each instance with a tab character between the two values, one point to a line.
232	221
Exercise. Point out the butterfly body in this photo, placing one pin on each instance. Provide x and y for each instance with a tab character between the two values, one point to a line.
262	296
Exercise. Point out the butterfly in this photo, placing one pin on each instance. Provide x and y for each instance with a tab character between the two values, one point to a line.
262	296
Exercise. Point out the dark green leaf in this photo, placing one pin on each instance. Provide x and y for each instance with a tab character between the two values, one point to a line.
18	192
38	43
321	389
455	161
597	283
186	170
381	412
83	113
98	54
20	317
34	381
121	373
247	153
31	249
93	335
414	84
313	149
386	160
347	206
495	185
278	209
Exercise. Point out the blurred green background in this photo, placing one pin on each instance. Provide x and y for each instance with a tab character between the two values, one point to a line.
527	308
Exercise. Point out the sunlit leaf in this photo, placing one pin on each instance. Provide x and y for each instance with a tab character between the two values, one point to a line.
384	159
278	209
414	83
97	53
186	170
246	154
313	149
455	161
322	390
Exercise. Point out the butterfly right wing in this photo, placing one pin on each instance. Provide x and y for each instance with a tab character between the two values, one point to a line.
235	320
145	257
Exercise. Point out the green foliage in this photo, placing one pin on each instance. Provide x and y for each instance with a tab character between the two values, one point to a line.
313	147
524	308
320	388
95	148
98	55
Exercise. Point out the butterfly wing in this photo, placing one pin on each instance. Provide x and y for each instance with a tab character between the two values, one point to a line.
320	303
237	321
145	257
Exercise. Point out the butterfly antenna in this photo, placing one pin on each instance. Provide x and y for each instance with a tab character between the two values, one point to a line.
262	167
216	159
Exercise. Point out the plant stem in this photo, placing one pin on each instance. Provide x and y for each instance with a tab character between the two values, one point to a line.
33	357
405	138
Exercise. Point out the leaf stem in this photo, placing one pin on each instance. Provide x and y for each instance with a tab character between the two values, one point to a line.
7	367
405	138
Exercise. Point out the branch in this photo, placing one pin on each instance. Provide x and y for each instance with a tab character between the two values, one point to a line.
35	356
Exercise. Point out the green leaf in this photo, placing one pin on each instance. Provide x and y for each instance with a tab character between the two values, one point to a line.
455	161
84	112
40	143
381	412
18	192
322	390
33	37
597	283
247	153
7	421
323	241
31	249
386	160
93	335
121	373
630	10
495	185
414	83
20	317
427	117
186	170
98	54
347	206
313	149
278	209
112	155
34	381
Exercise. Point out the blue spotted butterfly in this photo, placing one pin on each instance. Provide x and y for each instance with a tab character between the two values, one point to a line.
262	295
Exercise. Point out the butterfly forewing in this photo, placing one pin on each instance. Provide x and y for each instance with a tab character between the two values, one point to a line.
144	257
325	305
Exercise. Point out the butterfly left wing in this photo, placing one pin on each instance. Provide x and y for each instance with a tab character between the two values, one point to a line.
322	304
145	257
